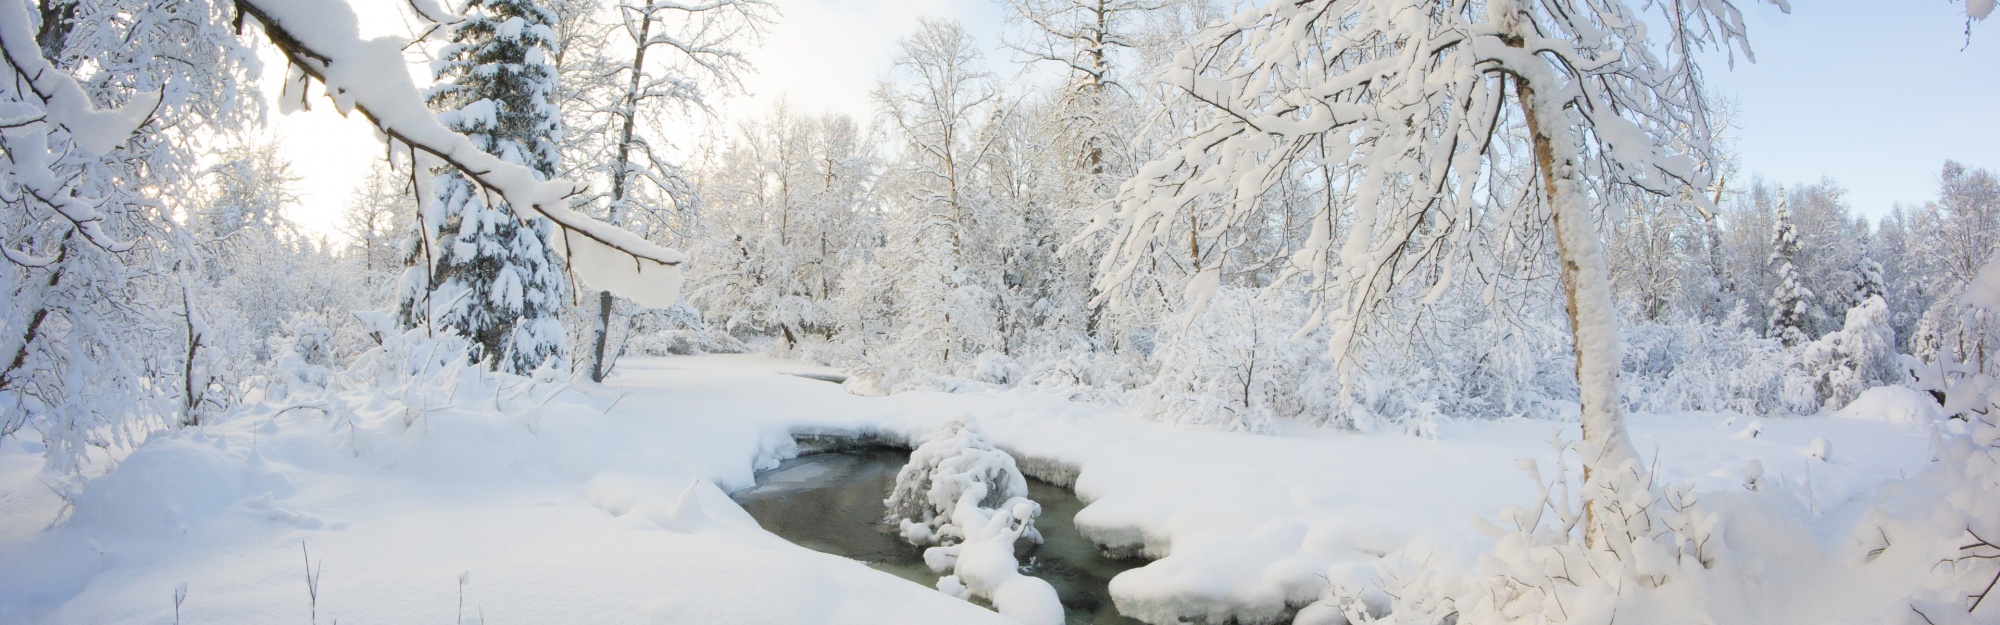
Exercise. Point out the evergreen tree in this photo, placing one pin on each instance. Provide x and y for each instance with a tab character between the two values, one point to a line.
493	278
1791	300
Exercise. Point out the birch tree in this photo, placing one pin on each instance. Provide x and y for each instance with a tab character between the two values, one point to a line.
1414	106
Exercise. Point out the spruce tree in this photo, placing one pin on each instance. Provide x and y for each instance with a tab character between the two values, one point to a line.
493	278
1791	300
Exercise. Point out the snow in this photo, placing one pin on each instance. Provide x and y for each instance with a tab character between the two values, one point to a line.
1984	291
370	74
1895	404
564	503
961	494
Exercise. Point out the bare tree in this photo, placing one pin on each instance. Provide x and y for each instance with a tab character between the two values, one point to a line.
680	55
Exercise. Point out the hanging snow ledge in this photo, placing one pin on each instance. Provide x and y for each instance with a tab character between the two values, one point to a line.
322	39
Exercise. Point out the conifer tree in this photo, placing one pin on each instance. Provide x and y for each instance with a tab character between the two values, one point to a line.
1791	300
492	278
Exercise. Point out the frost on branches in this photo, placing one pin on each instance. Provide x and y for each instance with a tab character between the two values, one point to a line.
968	499
1237	367
99	103
483	272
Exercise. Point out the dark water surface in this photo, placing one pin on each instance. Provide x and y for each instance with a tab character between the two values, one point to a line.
832	502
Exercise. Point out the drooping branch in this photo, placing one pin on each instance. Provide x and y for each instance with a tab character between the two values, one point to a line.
321	39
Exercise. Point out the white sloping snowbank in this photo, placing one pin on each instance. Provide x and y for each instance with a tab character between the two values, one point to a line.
559	512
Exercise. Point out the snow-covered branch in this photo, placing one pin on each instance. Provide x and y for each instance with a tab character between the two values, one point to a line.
322	39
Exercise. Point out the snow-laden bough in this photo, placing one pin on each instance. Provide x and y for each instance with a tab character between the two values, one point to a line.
322	41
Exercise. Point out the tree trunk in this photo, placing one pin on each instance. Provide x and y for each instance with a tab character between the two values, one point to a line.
598	362
621	171
1587	297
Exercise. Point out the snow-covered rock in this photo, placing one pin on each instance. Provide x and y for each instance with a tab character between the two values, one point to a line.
954	463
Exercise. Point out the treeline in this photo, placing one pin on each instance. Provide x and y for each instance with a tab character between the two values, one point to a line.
950	244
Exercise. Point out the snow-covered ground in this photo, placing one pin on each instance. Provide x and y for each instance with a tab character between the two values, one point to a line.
608	504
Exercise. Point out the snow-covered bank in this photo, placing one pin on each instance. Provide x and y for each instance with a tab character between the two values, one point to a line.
607	504
559	511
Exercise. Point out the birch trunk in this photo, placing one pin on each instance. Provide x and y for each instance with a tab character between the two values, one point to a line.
1586	280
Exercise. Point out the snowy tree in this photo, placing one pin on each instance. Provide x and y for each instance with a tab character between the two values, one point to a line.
671	58
944	290
1969	200
1084	36
1650	248
261	288
1837	367
1961	226
487	274
377	222
1905	274
1791	301
104	100
1411	104
789	213
1237	367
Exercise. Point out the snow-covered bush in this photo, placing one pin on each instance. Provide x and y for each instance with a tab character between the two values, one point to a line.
1466	355
1834	369
1968	517
983	564
1702	365
1088	375
674	331
970	500
1236	366
1962	528
955	463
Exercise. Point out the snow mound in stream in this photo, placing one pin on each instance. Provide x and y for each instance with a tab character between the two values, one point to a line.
962	494
954	462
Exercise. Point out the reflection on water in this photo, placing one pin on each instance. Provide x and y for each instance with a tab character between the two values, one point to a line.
832	502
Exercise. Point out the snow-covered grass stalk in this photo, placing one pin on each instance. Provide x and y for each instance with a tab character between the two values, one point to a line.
1650	544
970	501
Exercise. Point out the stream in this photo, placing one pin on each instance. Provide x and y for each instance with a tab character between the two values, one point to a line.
832	503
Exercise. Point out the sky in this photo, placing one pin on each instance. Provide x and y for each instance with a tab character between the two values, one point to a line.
1872	93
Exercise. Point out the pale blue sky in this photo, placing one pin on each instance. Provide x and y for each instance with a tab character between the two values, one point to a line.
1874	93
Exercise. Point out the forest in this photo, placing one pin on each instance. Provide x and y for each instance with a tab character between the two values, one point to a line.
1229	312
